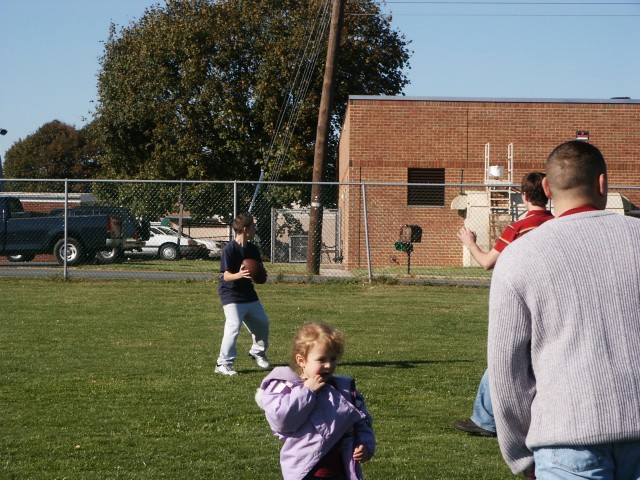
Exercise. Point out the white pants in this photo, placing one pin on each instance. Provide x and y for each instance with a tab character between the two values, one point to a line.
252	314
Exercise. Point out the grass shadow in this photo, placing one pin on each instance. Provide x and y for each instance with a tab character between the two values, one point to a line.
401	363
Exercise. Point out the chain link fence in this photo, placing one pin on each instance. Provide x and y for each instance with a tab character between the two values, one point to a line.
176	229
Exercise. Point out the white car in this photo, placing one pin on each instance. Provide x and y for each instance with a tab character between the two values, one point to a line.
215	247
164	245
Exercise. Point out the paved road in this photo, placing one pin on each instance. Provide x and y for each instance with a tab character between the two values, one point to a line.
49	270
44	269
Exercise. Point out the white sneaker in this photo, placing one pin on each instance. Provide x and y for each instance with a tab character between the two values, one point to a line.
225	370
261	360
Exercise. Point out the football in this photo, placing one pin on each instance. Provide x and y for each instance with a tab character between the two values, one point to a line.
256	269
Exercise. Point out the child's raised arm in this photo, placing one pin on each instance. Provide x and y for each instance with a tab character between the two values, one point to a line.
286	406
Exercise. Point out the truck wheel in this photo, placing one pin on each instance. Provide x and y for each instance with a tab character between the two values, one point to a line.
106	257
168	251
21	258
73	251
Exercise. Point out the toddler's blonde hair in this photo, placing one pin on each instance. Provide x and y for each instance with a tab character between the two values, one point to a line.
311	334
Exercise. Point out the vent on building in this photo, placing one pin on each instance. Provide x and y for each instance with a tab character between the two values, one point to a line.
426	195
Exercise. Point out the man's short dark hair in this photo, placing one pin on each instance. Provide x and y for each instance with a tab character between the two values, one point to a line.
574	165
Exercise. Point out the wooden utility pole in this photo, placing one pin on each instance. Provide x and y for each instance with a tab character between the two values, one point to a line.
314	249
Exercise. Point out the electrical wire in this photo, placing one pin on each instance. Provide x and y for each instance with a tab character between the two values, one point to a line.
289	94
512	3
494	14
502	3
297	91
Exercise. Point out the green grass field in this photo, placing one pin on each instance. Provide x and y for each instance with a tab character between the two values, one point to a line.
114	379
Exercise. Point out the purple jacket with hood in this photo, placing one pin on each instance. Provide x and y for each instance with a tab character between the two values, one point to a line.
311	423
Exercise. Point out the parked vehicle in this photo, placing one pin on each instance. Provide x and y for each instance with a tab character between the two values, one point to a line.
23	235
135	232
165	246
215	247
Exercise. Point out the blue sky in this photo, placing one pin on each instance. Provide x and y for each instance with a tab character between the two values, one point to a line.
504	49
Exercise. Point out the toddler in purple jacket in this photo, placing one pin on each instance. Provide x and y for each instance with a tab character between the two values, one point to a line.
320	418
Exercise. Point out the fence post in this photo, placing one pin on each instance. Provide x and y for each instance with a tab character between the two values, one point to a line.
66	213
180	221
235	199
273	235
366	230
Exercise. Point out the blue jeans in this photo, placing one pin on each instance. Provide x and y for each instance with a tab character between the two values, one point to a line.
252	314
619	461
482	408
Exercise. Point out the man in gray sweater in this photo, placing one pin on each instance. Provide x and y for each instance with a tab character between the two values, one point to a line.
564	332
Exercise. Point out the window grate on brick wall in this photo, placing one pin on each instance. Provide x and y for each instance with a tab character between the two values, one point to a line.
432	196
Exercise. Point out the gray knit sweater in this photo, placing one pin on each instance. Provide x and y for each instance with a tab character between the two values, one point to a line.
564	336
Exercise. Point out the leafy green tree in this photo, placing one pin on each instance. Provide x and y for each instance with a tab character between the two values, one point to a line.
55	150
154	200
194	89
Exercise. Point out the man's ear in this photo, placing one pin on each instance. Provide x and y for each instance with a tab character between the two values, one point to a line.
545	187
602	190
603	185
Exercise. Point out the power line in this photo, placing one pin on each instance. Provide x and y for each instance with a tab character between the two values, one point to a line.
504	3
495	14
307	62
297	89
514	3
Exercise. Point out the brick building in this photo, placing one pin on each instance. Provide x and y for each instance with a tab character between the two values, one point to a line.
444	141
43	202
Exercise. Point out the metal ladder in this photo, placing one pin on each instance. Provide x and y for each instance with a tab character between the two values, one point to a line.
502	207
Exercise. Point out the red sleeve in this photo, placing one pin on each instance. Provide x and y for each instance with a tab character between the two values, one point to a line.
506	237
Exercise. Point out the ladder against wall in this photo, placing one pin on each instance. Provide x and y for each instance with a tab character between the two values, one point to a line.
502	196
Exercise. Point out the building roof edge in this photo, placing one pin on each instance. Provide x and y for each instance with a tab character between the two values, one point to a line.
614	100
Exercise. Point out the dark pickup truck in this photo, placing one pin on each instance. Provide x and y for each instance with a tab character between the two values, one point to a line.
134	231
23	235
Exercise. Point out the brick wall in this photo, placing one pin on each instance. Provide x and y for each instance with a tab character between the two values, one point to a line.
385	136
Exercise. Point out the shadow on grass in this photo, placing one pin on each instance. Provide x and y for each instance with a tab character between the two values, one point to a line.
401	363
374	364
